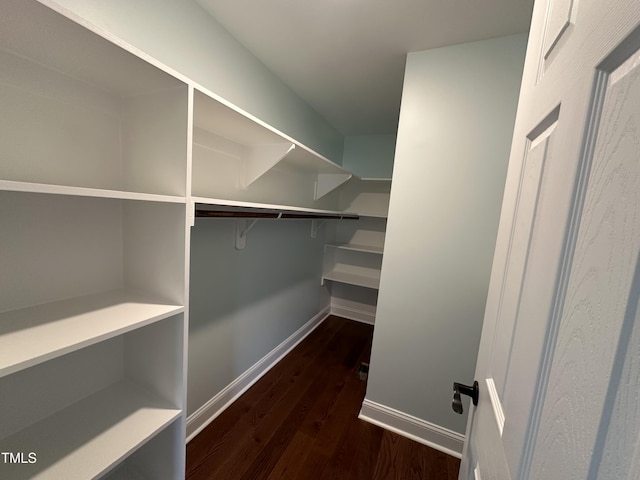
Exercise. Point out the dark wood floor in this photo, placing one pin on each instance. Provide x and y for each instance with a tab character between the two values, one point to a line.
300	422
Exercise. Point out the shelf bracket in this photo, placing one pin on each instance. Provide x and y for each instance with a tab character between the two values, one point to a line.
315	226
242	228
262	158
327	182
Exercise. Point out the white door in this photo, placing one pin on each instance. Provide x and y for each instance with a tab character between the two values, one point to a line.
559	360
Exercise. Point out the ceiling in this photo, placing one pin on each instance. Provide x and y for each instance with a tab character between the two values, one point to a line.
346	58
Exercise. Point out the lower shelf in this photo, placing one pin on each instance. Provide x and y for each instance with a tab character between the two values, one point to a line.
90	437
352	279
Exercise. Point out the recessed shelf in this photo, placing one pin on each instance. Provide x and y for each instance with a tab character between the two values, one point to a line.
90	437
35	334
352	279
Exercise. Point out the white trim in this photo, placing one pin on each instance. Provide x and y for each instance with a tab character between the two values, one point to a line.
497	405
421	431
353	314
202	417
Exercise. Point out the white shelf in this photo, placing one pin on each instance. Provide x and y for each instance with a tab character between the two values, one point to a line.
375	249
265	206
36	334
29	187
90	437
352	279
366	197
237	156
233	125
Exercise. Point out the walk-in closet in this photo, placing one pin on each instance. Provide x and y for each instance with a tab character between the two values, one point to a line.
175	219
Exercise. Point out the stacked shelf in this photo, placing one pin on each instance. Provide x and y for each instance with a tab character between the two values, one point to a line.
353	255
93	184
353	264
355	258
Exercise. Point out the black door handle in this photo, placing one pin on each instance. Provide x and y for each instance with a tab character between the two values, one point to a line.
458	389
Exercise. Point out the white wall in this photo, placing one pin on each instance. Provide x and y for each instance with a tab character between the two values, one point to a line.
183	36
454	135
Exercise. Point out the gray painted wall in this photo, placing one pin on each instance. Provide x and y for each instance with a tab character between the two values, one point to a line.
369	156
183	36
244	303
454	136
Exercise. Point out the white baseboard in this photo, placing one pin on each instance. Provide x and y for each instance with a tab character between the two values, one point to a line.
429	434
202	417
353	314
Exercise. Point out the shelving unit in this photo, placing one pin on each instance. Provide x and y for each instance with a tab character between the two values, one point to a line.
105	160
353	254
93	207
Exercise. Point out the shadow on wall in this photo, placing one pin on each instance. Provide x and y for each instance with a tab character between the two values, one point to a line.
278	256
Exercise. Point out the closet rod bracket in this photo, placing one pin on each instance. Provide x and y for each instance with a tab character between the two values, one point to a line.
242	228
315	226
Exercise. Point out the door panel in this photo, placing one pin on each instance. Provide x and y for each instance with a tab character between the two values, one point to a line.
620	451
537	149
558	20
598	300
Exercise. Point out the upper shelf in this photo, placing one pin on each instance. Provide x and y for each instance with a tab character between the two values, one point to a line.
243	149
79	111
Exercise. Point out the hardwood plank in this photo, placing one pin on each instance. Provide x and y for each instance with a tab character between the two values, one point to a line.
390	462
290	462
366	458
300	422
312	466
